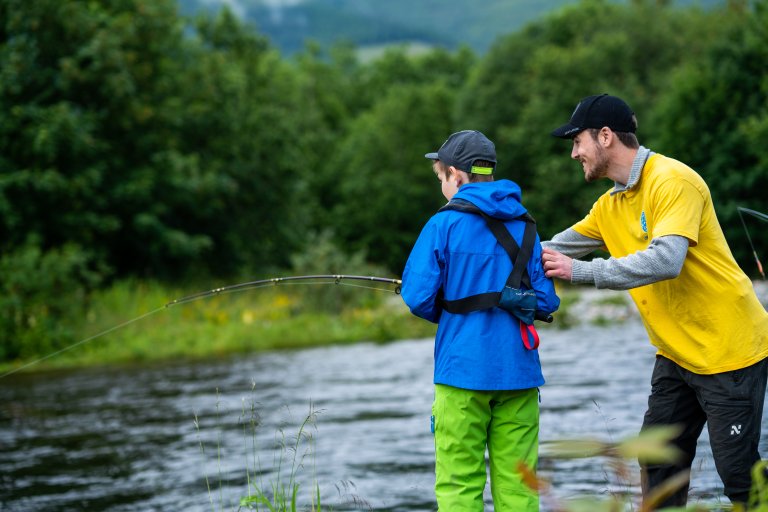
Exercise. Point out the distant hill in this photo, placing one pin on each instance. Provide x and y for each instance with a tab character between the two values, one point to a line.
373	23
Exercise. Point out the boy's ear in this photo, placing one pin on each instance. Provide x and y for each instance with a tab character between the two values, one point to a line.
457	175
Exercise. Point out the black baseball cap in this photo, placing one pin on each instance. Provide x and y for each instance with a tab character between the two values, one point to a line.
462	149
598	111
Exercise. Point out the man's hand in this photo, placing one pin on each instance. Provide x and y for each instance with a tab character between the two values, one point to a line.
557	264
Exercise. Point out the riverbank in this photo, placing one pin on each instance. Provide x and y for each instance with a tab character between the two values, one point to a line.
130	322
136	322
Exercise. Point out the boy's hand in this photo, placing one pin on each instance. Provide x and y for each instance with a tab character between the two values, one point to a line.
557	264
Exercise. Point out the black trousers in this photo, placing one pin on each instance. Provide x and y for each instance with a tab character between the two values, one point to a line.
730	403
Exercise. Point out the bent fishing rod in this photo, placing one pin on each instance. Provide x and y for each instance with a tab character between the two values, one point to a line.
760	216
538	315
325	279
321	279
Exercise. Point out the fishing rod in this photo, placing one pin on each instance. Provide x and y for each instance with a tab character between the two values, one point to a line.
760	216
327	279
320	279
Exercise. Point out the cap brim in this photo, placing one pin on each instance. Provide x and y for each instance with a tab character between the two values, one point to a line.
567	131
431	156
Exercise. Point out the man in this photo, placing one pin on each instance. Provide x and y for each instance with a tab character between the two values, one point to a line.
699	308
487	368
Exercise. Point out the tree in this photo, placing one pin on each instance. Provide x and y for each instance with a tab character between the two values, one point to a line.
160	148
379	189
132	145
530	81
88	106
387	190
714	117
241	128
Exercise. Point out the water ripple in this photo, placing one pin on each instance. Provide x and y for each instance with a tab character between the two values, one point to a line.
134	439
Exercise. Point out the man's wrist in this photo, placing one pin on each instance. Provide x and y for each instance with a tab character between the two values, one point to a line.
582	272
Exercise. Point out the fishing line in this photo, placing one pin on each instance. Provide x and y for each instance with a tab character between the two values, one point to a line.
103	333
760	216
240	287
361	286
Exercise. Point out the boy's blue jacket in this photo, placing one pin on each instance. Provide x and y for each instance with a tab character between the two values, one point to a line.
458	254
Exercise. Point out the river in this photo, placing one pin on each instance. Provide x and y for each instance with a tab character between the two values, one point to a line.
181	436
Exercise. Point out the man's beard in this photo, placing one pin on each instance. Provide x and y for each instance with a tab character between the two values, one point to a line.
600	168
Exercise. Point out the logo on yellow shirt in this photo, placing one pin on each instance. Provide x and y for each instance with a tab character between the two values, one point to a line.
644	224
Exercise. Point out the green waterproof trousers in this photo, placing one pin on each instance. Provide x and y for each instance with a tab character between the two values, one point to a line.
466	422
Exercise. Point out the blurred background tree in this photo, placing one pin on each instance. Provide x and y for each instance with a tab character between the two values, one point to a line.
714	115
589	48
136	142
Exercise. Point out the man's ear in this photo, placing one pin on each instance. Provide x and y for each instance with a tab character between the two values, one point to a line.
606	136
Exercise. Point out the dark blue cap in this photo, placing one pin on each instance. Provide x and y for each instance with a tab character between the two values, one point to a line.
462	149
598	111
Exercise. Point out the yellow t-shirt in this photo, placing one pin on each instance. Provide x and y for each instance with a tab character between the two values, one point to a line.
708	319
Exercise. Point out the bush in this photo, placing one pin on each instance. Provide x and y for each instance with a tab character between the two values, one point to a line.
43	295
322	257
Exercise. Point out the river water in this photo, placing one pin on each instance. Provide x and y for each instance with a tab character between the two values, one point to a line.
184	436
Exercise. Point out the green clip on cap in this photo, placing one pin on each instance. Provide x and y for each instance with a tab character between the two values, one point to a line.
482	170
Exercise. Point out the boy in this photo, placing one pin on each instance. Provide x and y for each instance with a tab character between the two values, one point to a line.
487	369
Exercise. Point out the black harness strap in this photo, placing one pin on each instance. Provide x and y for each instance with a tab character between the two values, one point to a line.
471	303
519	256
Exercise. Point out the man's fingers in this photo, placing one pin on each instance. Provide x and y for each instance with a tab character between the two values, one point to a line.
554	264
549	258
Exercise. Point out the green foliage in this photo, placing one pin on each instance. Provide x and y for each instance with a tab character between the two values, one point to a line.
714	117
176	148
282	495
322	256
270	318
387	194
274	488
652	445
42	295
329	98
394	102
107	144
87	102
758	494
530	81
240	130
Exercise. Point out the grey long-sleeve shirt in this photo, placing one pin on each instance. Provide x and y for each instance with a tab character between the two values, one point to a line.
663	259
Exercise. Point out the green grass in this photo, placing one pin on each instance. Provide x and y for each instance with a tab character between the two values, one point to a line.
129	323
275	317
